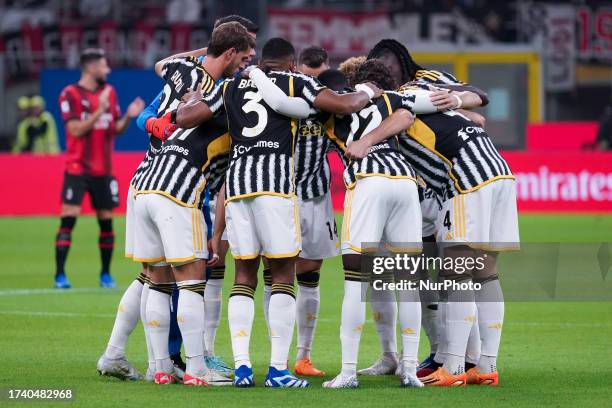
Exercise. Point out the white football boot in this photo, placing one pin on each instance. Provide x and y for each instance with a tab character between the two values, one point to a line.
386	365
408	377
119	368
216	379
341	381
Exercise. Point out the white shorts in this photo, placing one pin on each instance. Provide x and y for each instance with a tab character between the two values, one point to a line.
484	219
130	221
429	209
213	205
382	209
263	225
319	231
168	232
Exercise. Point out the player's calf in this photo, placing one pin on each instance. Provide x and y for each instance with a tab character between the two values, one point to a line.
490	306
190	314
158	320
308	301
63	241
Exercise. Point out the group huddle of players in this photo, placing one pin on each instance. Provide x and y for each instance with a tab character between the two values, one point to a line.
243	149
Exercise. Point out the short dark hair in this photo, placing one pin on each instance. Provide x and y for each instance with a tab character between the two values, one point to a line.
277	49
313	56
333	79
229	35
375	71
89	55
248	24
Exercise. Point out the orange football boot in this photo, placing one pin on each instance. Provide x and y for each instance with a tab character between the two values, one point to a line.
443	378
305	367
190	380
162	378
478	378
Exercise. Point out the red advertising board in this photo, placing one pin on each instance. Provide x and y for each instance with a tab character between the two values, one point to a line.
566	136
31	185
572	182
553	182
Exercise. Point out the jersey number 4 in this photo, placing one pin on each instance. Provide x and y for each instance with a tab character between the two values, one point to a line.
447	221
253	105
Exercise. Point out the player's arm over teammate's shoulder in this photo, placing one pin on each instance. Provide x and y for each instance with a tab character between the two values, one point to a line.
199	109
345	104
403	107
309	93
471	96
416	100
162	65
276	99
396	123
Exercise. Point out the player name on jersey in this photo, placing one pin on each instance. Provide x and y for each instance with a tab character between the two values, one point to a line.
181	75
189	158
262	140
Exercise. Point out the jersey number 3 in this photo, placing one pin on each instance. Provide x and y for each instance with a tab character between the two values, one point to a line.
253	105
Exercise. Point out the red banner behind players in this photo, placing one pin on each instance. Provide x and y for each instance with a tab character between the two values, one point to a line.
553	182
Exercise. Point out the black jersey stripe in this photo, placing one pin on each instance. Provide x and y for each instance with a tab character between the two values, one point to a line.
265	181
478	165
490	161
471	164
495	154
157	173
165	179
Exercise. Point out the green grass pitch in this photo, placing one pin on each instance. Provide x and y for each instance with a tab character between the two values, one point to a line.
552	354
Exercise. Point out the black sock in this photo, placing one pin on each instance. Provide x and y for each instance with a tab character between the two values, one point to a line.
63	240
267	274
469	365
106	243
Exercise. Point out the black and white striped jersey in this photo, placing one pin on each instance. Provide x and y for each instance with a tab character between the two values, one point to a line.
153	149
181	75
452	154
312	173
262	140
426	193
384	158
189	157
431	76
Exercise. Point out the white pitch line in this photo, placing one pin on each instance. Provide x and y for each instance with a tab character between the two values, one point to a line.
43	291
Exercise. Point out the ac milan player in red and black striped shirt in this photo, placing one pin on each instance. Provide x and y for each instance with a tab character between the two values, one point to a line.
92	119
